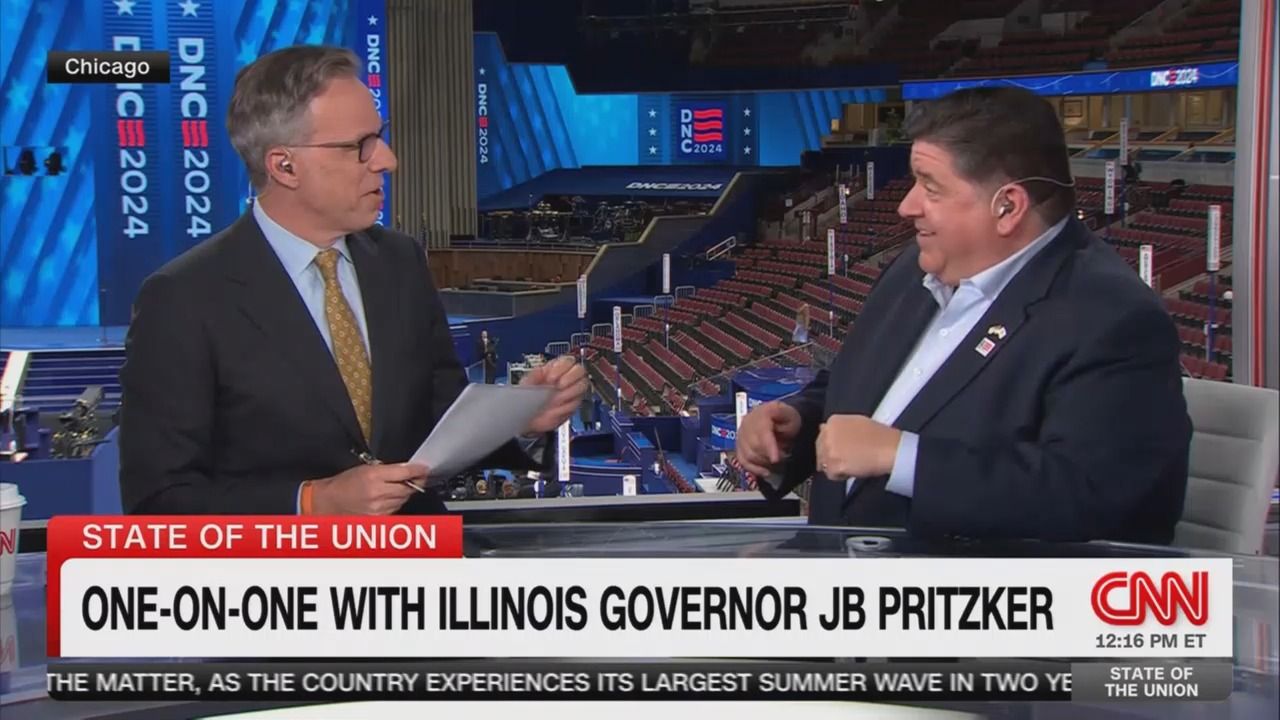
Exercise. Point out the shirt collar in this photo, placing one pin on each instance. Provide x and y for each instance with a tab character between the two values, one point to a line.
992	281
295	253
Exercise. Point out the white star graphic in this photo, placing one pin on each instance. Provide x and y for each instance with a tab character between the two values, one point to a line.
653	150
189	8
124	7
746	150
746	112
746	131
373	19
653	113
482	71
653	132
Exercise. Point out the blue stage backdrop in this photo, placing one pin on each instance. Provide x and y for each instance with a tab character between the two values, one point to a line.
530	120
148	169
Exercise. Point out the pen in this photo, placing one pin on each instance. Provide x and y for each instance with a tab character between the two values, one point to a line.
369	459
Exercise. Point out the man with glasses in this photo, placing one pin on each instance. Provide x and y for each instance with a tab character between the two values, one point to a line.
1009	376
293	362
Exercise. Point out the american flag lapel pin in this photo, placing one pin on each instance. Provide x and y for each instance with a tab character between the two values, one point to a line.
985	347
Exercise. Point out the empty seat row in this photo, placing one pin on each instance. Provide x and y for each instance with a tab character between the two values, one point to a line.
744	288
1201	368
719	296
1191	310
648	376
725	341
790	269
766	314
700	351
757	333
858	288
1198	338
670	359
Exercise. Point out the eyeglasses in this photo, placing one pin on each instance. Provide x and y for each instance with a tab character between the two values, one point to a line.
365	145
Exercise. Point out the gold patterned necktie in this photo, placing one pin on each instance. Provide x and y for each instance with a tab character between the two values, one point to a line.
348	344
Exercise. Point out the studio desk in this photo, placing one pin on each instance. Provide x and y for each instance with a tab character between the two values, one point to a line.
1255	611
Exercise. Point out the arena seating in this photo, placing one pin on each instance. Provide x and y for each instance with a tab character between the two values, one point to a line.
1177	234
910	43
1056	50
771	319
1028	52
1210	31
676	478
747	320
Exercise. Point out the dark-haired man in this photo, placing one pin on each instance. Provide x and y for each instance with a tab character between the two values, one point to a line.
271	365
1009	376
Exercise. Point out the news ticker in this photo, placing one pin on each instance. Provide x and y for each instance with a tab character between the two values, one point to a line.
1008	681
386	587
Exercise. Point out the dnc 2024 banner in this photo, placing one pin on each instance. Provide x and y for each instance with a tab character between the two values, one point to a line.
530	119
144	172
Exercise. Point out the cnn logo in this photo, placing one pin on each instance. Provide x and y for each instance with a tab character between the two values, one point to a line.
1140	594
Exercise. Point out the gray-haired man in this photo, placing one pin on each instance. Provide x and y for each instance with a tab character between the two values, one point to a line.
294	361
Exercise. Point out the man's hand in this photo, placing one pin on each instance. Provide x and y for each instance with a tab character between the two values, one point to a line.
856	446
764	435
367	489
570	381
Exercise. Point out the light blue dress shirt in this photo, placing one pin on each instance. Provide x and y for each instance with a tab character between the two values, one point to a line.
960	309
298	257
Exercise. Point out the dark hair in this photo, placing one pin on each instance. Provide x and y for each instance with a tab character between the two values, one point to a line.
999	134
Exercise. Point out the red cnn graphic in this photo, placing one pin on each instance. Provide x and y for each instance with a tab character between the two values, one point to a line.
195	133
131	133
375	80
1142	594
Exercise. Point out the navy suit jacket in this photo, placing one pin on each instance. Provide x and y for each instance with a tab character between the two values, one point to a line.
232	399
1073	428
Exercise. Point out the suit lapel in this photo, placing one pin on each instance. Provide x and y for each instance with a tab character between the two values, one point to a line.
271	301
381	312
882	351
993	331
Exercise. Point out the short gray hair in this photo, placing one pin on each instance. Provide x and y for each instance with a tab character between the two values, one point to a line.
269	104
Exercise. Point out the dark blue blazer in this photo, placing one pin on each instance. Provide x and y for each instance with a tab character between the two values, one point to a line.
1074	427
231	398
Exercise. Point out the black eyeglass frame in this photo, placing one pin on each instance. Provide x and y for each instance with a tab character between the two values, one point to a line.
365	146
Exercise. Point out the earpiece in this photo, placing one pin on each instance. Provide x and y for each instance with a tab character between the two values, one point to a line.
1008	206
286	166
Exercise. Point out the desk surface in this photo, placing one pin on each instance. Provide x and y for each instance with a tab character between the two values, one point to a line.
1256	602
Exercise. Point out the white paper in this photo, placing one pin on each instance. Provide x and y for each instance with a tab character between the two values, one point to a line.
479	422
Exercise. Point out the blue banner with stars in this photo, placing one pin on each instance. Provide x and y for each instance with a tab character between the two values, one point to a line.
371	45
530	120
126	177
689	129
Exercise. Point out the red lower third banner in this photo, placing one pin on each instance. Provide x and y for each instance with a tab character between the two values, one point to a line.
234	536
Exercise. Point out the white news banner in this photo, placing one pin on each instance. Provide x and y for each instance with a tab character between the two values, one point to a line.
479	422
645	607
